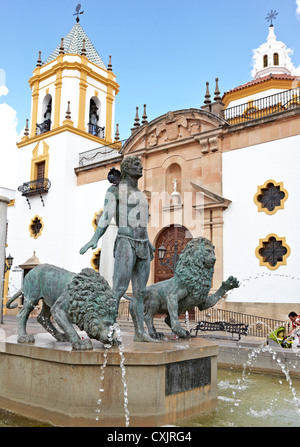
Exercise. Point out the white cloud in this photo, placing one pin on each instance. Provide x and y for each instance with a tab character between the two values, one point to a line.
8	148
298	8
3	90
296	72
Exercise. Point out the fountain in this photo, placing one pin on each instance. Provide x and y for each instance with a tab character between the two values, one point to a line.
239	402
114	329
161	381
241	405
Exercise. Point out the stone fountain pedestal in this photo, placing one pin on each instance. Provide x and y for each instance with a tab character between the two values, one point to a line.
166	381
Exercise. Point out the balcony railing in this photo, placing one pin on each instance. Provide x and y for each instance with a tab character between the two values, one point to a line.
260	108
35	187
96	130
98	155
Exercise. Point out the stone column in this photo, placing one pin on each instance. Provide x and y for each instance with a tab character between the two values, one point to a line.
107	260
3	218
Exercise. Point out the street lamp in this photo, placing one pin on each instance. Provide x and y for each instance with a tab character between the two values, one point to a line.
8	263
172	260
7	266
161	252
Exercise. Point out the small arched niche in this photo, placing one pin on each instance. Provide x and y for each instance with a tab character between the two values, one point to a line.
173	178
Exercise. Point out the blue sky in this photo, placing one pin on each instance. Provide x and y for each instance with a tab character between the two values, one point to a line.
163	51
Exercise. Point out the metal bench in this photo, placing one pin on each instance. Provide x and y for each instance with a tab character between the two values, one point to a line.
240	328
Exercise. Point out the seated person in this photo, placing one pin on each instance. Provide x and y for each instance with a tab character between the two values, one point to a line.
295	319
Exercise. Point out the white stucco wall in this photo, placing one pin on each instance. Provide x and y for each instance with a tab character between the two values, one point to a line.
243	171
68	212
255	97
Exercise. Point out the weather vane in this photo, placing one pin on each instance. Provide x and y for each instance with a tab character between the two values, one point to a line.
78	7
271	16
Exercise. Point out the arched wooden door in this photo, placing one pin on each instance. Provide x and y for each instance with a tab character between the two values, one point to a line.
173	239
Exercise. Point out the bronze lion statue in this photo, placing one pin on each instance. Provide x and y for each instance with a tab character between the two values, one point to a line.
84	299
189	288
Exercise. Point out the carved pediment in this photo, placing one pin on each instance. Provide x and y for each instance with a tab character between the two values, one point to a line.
170	129
173	127
210	199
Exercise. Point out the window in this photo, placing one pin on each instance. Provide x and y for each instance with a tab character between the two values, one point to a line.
36	227
40	170
272	251
270	197
39	163
265	60
275	59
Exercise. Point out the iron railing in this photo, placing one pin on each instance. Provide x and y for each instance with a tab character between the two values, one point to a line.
263	107
35	187
100	154
257	326
96	130
43	127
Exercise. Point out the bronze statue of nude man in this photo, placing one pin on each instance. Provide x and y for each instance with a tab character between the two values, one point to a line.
133	251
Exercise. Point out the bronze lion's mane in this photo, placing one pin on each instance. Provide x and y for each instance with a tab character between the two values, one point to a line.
191	270
91	301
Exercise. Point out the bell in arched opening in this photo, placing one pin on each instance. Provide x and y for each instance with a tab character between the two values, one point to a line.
45	126
94	119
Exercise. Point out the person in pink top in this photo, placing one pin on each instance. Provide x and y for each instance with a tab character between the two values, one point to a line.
295	319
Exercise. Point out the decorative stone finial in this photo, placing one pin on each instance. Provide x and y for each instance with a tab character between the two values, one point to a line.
217	91
144	117
39	61
136	119
207	95
61	48
68	112
117	136
109	66
83	51
26	130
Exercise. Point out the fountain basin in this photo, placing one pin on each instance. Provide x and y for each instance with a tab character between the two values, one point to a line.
166	381
237	355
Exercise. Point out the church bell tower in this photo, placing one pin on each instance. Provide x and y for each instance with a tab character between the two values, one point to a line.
73	88
72	111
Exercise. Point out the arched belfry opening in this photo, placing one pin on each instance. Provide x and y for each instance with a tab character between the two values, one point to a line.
94	124
46	115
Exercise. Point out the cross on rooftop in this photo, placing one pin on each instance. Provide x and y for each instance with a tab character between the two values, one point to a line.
271	16
78	7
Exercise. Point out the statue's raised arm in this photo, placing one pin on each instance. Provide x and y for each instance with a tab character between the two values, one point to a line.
109	211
